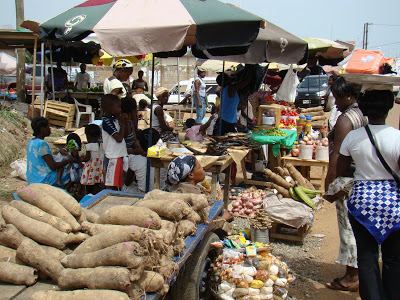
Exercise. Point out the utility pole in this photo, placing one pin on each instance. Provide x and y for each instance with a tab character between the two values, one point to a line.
365	35
19	8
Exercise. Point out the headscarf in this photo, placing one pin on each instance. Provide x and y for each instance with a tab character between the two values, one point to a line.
180	167
161	91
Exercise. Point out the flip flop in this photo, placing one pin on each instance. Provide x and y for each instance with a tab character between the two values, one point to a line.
336	285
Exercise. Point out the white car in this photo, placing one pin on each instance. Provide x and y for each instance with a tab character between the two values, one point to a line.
186	86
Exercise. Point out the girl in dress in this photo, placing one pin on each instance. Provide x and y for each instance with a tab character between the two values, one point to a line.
93	171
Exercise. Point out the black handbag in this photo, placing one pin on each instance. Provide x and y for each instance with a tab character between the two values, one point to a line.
382	160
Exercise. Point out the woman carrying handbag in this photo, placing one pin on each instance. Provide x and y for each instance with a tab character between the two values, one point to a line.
374	204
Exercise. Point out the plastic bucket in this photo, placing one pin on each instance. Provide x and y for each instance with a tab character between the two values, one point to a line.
306	151
322	153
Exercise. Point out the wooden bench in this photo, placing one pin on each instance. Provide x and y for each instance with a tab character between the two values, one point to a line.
59	113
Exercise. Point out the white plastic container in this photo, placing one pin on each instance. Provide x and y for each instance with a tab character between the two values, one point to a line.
259	166
322	153
306	151
268	120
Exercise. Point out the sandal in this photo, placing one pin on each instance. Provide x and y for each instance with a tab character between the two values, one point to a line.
336	285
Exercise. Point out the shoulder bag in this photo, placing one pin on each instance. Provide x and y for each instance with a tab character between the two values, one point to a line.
382	160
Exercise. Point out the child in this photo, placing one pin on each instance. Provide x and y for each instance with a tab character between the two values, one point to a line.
113	140
93	170
72	149
195	132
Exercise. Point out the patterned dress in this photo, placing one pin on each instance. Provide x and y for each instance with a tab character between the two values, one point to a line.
348	248
93	171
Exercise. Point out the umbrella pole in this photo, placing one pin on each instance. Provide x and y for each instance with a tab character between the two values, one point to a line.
220	100
148	170
179	85
194	78
52	73
34	76
42	68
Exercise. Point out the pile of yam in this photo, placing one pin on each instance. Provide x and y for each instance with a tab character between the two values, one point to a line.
123	253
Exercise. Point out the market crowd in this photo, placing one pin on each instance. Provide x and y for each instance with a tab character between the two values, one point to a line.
364	154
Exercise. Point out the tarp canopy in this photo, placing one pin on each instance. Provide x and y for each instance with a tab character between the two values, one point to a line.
8	65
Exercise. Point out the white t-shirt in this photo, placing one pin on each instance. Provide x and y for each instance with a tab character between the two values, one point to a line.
368	166
113	149
113	84
83	80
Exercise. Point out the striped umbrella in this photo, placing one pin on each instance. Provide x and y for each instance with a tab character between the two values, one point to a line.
134	27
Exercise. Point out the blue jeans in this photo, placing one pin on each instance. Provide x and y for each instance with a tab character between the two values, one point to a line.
200	111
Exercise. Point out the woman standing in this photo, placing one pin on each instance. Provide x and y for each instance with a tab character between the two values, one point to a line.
123	68
41	166
200	96
351	118
374	205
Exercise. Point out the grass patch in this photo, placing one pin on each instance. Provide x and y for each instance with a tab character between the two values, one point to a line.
13	117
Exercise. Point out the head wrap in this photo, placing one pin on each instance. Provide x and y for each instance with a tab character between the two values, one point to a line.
122	64
161	91
180	167
72	145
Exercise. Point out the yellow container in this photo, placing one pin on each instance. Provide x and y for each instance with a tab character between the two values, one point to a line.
155	152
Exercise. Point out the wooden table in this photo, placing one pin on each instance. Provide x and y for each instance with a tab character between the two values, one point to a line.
306	164
222	165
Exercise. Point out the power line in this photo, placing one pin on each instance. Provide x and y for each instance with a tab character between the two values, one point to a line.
385	44
391	25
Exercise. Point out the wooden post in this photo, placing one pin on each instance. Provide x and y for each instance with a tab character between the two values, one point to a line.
34	78
19	8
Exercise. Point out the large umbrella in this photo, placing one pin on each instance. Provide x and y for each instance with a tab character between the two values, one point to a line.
8	65
273	44
326	48
107	59
160	25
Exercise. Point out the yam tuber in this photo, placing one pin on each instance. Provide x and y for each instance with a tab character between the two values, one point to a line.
112	278
40	215
90	215
179	246
167	267
2	222
9	255
32	254
126	254
167	231
152	282
170	209
194	217
10	236
297	177
17	274
131	215
281	172
277	179
40	232
194	200
80	295
60	195
204	214
47	203
185	228
110	238
281	190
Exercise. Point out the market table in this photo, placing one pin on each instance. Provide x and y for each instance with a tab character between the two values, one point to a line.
306	164
217	167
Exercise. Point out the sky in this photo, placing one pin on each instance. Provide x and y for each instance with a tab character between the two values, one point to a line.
336	20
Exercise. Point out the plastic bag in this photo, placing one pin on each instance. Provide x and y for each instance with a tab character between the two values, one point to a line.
287	90
19	168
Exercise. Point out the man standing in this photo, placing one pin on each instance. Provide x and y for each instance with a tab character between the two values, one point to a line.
139	85
82	79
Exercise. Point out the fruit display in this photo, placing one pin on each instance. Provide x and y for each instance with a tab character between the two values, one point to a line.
274	132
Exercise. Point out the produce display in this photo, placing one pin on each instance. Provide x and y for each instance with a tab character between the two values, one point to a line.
129	248
259	275
247	203
291	184
274	132
260	221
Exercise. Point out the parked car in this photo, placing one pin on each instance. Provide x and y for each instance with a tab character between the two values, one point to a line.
313	91
185	90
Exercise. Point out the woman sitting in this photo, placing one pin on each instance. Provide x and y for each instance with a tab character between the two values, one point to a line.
41	166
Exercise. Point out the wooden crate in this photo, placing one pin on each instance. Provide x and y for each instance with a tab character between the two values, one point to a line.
283	232
59	113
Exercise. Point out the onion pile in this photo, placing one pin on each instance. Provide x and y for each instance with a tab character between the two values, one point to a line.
247	203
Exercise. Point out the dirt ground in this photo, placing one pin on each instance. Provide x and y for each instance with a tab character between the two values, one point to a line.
313	262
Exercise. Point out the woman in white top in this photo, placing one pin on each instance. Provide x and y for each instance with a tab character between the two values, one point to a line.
374	204
123	68
200	96
158	119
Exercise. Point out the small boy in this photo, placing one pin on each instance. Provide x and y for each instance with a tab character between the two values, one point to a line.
113	133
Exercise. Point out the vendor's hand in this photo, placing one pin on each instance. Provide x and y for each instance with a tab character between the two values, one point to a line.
200	105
